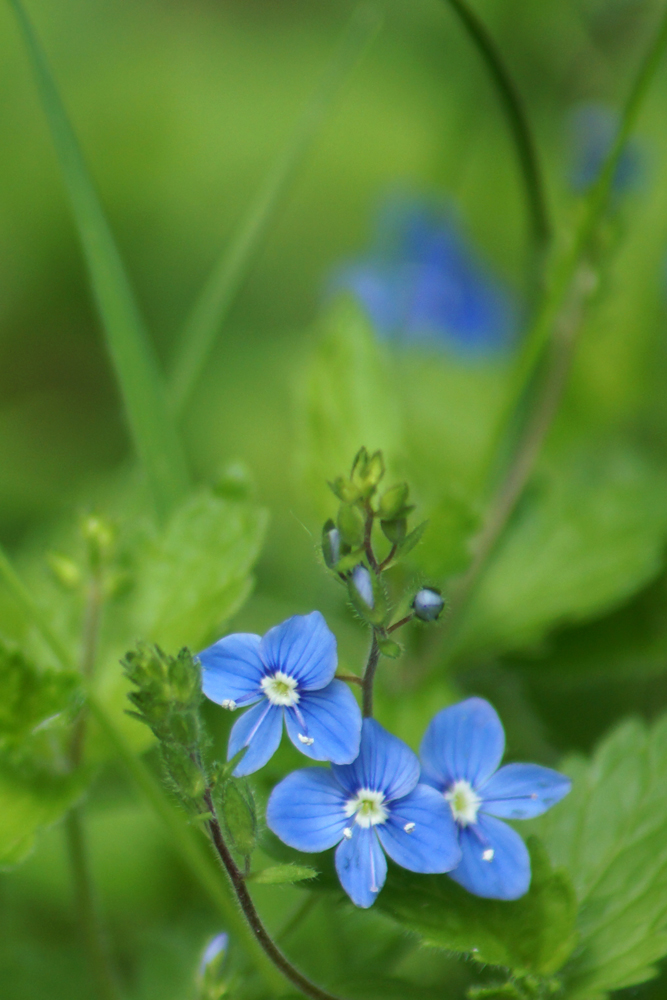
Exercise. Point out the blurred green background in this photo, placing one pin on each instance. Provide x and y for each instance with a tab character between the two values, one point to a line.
181	108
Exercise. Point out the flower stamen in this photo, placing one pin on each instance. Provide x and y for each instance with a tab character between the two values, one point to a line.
464	802
367	808
280	689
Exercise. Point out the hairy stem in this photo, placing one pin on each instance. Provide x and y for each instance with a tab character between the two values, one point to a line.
252	916
90	923
369	677
400	623
516	118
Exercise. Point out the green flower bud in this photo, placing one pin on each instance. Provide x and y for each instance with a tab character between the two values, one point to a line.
351	525
367	471
65	570
99	534
395	530
393	502
331	544
345	490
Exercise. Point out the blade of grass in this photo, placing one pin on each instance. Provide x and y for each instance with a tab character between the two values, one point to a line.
221	288
510	99
151	424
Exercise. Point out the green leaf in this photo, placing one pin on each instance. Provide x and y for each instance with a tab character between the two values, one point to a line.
135	364
588	534
195	574
238	810
611	834
280	874
29	696
532	934
346	400
30	801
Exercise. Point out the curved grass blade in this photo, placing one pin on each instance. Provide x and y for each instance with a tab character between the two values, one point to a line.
151	424
216	298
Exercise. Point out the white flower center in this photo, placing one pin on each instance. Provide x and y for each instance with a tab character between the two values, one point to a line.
463	802
280	689
367	808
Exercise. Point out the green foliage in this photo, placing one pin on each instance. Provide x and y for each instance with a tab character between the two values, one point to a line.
533	934
588	534
29	697
239	815
31	798
611	835
195	574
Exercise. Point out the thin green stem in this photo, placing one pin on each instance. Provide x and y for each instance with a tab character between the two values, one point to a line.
90	923
516	118
222	286
151	423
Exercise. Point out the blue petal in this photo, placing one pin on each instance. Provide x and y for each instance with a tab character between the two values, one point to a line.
332	720
507	874
432	844
232	669
303	647
463	742
361	866
307	810
260	729
385	764
521	791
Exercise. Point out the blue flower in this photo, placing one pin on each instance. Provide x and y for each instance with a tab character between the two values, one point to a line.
213	950
290	672
369	807
593	129
422	282
460	754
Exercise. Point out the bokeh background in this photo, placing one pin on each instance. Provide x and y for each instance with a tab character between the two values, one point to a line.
181	108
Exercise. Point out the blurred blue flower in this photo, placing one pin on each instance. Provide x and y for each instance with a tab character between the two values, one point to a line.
290	672
423	283
213	950
368	807
460	754
594	128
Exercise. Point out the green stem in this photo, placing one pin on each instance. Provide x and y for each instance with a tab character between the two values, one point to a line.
369	678
90	924
219	293
516	118
137	372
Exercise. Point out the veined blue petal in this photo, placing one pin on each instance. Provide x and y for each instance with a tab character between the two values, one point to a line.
303	647
361	866
420	834
331	719
463	742
385	764
521	791
307	810
260	729
494	860
232	669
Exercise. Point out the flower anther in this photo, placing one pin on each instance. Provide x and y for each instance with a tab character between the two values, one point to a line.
229	704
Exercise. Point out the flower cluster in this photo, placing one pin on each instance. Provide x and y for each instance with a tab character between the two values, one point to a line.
441	815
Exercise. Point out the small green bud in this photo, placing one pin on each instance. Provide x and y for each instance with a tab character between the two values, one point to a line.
65	570
99	535
393	501
331	544
351	525
367	471
183	770
428	604
395	530
345	490
388	647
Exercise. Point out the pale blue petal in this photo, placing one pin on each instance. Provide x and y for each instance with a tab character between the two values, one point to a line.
385	764
307	810
361	866
303	647
332	720
260	729
463	742
430	844
521	791
232	669
507	874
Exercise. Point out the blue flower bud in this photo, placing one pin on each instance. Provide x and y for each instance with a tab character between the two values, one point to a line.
363	584
428	604
331	544
212	952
